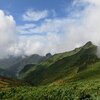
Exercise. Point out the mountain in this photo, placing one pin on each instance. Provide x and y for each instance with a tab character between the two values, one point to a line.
5	73
26	68
13	65
65	67
33	59
10	61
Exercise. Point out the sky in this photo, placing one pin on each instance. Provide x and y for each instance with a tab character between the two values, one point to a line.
17	8
41	26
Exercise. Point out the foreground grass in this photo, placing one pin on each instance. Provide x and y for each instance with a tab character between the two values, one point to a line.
82	90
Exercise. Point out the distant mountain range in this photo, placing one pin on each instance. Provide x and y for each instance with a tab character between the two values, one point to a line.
11	66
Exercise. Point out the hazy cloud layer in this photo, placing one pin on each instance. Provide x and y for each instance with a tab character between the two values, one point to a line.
52	35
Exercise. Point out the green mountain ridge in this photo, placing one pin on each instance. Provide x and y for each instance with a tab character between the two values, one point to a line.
62	66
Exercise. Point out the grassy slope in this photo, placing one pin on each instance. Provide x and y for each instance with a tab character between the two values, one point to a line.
50	61
82	90
65	65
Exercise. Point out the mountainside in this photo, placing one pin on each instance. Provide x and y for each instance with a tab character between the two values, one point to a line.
8	62
33	59
26	68
13	65
5	73
64	67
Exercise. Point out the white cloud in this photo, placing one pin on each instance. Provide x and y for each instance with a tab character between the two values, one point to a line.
7	33
38	44
31	15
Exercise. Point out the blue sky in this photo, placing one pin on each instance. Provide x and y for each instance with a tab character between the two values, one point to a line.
18	7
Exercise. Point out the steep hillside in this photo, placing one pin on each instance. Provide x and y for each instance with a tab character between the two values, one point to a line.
64	66
14	65
26	69
15	68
